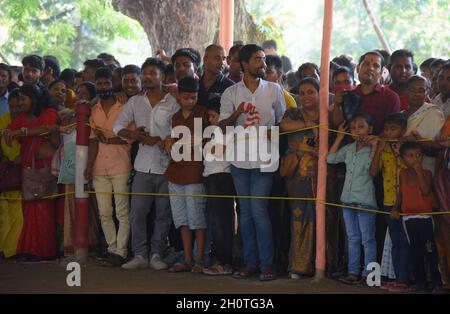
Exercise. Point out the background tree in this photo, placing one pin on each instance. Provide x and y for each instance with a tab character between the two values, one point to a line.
71	30
172	24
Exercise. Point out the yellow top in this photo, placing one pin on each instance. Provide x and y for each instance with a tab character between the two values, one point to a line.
9	152
390	165
70	99
290	101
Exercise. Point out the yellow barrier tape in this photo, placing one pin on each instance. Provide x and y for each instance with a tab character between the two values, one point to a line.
308	199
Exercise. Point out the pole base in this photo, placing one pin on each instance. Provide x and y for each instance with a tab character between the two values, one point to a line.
320	274
81	255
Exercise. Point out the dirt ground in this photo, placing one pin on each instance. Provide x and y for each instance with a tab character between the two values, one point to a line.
51	278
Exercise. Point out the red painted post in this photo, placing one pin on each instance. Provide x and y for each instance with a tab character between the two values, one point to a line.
226	24
323	139
81	241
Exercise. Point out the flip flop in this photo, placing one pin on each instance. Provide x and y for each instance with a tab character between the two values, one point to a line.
218	269
180	268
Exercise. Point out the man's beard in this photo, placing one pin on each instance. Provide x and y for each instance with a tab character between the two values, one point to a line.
258	73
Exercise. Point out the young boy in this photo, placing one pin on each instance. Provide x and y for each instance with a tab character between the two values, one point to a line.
415	201
387	160
359	191
220	211
185	177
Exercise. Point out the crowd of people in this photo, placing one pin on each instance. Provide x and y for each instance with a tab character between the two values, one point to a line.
388	165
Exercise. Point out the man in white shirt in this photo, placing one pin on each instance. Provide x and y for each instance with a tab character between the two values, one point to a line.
250	176
442	100
152	114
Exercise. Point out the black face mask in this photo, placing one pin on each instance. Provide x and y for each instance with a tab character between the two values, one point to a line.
106	94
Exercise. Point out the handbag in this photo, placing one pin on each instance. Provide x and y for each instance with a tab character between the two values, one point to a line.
38	183
10	176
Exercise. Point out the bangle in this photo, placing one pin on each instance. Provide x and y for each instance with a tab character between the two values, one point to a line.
24	131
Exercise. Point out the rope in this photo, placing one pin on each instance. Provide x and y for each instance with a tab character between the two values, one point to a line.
307	199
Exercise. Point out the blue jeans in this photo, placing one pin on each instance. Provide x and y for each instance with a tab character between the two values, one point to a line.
256	228
360	228
400	247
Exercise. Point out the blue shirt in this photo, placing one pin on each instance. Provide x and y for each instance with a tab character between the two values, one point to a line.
4	106
358	186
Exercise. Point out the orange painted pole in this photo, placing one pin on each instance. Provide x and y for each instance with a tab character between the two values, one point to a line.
323	139
226	24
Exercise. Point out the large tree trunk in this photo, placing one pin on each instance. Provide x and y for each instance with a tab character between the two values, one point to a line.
173	24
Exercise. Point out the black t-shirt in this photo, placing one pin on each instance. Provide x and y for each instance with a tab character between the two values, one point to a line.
212	96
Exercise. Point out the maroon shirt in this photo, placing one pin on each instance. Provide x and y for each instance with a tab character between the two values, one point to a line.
379	104
187	172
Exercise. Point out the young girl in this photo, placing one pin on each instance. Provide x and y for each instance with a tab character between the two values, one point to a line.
359	191
416	201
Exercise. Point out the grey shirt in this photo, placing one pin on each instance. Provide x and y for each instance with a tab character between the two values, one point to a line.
358	186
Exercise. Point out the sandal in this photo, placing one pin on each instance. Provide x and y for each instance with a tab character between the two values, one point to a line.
245	273
218	269
180	268
197	268
267	275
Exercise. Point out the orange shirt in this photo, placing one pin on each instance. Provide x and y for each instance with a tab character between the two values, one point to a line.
111	159
413	202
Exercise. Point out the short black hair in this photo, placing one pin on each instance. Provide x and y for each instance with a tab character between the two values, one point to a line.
215	106
446	66
104	72
34	61
161	65
367	117
437	64
68	76
169	70
386	55
131	69
309	80
90	87
373	52
56	82
53	63
275	61
188	85
306	65
409	146
401	53
247	52
7	68
234	49
345	61
94	63
192	54
427	63
106	56
397	118
270	44
340	70
418	78
15	93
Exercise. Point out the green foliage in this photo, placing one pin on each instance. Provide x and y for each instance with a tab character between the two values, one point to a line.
419	25
270	20
71	30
